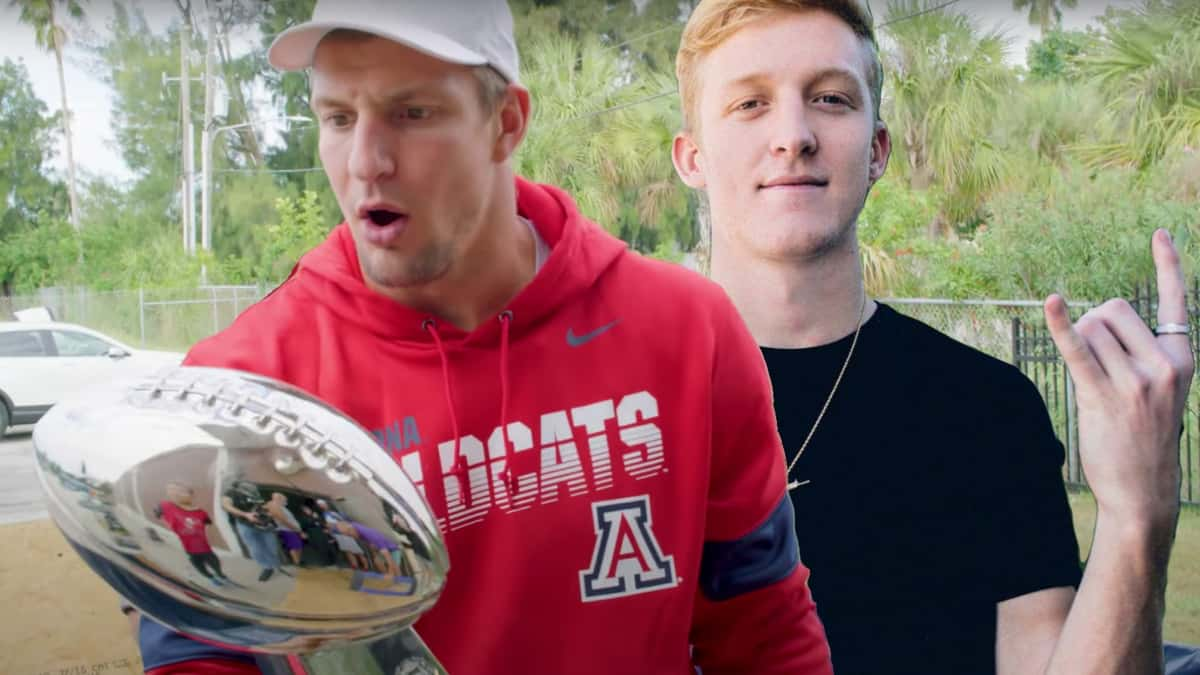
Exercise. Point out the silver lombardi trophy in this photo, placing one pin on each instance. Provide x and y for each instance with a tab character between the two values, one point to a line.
241	511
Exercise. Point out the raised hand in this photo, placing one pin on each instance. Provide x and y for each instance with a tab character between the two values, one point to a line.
1131	387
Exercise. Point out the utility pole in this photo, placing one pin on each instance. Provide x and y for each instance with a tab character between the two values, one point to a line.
185	86
205	145
187	201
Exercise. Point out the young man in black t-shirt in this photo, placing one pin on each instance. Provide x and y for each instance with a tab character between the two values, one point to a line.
926	476
935	472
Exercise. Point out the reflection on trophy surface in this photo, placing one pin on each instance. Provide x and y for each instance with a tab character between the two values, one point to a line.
242	511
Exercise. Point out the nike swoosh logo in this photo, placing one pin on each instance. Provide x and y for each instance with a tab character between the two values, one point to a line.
578	340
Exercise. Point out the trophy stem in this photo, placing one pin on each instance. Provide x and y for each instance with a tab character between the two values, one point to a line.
401	653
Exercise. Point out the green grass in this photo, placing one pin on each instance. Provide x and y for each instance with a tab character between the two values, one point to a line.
1183	576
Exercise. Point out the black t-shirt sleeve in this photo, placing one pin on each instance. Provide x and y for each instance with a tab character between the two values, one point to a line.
1029	531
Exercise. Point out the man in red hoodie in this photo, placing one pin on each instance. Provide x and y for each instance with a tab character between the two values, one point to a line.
592	429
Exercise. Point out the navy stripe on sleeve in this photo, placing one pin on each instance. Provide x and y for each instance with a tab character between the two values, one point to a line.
764	556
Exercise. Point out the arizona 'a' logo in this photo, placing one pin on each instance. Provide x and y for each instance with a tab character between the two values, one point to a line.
627	559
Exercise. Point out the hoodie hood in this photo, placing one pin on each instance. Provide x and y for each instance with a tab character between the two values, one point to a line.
580	252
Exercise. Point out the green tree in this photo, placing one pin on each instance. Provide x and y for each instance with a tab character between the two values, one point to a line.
238	74
645	31
29	199
133	229
296	155
51	36
946	81
1146	61
145	113
301	226
1044	14
1039	128
1085	234
1053	56
38	256
596	112
891	232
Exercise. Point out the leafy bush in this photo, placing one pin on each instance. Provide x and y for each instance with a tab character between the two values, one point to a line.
302	225
1087	235
39	256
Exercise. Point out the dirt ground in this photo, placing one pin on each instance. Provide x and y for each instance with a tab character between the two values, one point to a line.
58	618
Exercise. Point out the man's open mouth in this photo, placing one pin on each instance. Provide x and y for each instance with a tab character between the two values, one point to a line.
383	217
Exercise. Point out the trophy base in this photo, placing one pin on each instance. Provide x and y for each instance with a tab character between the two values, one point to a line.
400	654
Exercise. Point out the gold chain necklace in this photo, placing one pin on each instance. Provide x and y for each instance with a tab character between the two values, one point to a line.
793	484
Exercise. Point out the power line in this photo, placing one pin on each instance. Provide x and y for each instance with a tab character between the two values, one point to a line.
619	106
643	36
916	14
305	170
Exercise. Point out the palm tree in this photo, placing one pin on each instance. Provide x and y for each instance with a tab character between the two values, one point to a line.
946	82
1147	63
1041	11
601	129
50	36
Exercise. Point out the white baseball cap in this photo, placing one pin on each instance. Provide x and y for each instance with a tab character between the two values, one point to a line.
470	32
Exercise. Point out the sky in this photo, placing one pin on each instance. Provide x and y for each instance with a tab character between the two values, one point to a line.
91	100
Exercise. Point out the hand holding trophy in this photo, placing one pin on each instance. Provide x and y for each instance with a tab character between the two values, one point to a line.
241	511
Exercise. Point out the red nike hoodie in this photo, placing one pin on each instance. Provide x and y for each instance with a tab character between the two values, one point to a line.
602	457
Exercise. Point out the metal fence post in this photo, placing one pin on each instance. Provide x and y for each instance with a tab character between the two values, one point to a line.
1016	341
216	319
142	314
1075	475
1189	418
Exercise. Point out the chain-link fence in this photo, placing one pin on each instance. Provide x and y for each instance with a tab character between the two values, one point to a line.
170	319
1012	331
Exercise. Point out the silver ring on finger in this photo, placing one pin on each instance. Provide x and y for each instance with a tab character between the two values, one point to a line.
1172	329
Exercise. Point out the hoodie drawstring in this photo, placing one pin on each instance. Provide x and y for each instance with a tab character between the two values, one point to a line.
459	467
509	477
431	327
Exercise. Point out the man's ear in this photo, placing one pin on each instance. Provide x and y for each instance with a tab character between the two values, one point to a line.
881	151
689	164
512	114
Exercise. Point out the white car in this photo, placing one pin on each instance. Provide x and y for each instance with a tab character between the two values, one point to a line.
42	362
